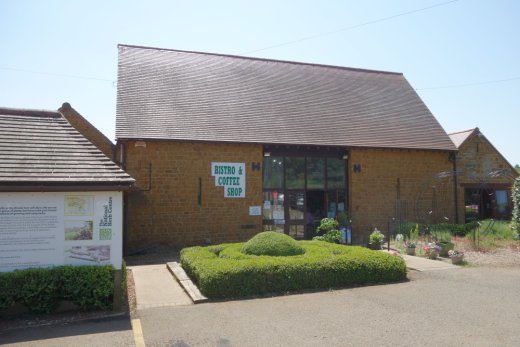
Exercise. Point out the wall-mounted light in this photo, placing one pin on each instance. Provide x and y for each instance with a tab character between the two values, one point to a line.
267	154
345	156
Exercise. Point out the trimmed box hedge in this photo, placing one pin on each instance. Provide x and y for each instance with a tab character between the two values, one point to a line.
222	271
40	289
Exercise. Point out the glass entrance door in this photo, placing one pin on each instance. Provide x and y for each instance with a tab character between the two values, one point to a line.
295	210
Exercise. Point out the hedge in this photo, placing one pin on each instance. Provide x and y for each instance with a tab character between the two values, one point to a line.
224	272
273	244
40	289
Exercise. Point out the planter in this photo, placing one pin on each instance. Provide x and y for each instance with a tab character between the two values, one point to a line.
410	250
376	247
445	248
457	259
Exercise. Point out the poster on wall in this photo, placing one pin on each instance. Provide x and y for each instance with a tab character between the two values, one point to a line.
51	229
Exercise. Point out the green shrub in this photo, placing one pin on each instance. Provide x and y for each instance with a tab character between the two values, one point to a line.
376	238
90	287
273	244
515	197
329	227
231	273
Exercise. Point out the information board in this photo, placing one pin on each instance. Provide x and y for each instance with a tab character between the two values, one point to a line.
49	229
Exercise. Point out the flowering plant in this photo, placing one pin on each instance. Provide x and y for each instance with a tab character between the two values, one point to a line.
455	253
431	248
410	244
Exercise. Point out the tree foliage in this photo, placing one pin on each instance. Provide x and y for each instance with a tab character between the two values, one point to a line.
515	196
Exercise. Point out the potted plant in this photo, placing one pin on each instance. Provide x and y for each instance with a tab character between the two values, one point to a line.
329	228
457	257
443	240
376	239
410	248
432	250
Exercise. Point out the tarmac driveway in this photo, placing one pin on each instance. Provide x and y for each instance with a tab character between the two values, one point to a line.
462	307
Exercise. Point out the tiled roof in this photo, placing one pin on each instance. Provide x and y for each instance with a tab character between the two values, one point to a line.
460	137
41	147
178	95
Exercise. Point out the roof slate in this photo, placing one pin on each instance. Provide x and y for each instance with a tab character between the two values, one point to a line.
460	137
41	147
178	95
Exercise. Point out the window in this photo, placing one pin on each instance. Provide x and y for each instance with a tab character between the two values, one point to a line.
301	190
315	173
335	173
295	172
502	201
273	172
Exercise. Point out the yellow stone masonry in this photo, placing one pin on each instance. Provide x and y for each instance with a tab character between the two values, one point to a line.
400	184
166	210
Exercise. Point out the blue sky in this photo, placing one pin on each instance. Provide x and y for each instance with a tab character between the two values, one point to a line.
462	56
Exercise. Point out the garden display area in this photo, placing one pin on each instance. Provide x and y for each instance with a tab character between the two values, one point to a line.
455	240
274	263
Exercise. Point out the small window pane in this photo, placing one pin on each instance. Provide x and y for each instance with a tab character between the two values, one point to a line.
273	206
501	200
297	231
274	227
315	173
472	204
296	205
295	172
335	173
273	172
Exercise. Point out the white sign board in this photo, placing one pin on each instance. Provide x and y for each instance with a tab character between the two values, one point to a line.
50	229
255	210
231	176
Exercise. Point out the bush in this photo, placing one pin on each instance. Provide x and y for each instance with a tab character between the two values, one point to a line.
273	244
376	238
329	227
90	287
515	196
230	273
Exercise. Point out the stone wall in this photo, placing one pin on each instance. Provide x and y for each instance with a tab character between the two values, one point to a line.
480	165
401	184
166	210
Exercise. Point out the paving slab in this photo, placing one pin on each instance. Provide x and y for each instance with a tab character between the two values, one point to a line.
156	287
424	264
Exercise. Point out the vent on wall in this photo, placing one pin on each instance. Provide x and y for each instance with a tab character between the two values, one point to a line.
140	144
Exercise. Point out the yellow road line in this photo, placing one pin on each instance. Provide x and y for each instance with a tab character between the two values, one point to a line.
138	333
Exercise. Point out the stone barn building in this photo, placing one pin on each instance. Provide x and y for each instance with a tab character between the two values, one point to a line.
223	147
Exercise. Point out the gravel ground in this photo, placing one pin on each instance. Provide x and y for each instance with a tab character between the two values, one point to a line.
502	257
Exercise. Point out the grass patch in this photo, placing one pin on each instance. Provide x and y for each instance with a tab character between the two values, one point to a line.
223	271
491	235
